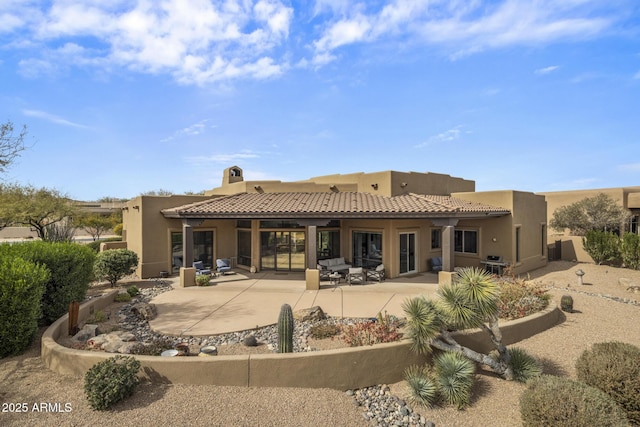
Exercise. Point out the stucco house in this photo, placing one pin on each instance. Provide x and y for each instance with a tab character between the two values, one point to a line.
570	248
400	219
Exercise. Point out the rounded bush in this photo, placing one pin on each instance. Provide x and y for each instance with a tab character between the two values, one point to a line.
555	401
70	272
22	284
114	264
110	381
133	291
614	367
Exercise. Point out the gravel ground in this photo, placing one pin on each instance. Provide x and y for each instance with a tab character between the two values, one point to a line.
25	379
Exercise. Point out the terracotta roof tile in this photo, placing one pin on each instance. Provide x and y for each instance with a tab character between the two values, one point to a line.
347	204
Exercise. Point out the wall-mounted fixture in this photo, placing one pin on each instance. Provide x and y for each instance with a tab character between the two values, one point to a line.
333	188
403	184
136	207
375	186
126	208
494	239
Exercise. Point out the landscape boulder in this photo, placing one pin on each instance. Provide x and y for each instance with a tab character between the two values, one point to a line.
144	311
87	332
312	314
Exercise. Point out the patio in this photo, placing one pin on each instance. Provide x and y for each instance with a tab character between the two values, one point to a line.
243	301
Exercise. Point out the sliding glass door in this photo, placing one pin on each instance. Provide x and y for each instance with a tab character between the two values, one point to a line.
367	249
407	253
282	250
202	249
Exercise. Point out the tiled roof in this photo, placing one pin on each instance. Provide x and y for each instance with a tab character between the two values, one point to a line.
334	204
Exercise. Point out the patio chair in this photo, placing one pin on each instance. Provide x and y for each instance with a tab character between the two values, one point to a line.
199	266
223	266
355	274
377	274
436	264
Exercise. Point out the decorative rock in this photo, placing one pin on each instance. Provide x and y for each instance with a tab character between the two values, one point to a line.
251	341
87	332
312	314
144	311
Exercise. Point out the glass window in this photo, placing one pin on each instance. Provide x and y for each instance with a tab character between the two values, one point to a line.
244	247
466	241
243	223
517	244
367	249
328	244
280	223
202	249
436	238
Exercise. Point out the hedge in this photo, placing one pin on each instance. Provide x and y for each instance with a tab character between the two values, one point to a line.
22	284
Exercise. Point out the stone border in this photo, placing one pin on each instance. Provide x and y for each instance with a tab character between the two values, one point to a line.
341	369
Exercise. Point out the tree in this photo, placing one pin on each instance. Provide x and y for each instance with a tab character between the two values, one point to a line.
600	213
10	145
33	207
114	264
160	192
469	302
96	224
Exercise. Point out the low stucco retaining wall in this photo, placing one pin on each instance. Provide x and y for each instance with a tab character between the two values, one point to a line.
342	369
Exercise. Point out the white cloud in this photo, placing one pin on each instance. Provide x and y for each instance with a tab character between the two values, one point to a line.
222	158
465	27
547	70
192	130
197	41
52	118
445	137
631	167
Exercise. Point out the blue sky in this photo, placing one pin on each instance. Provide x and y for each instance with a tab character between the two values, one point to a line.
122	97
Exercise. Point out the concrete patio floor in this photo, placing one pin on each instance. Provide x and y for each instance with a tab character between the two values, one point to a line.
241	301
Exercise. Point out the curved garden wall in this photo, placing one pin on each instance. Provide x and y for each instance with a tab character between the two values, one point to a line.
342	369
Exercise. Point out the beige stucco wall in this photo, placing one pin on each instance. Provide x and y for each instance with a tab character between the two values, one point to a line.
572	248
341	369
528	212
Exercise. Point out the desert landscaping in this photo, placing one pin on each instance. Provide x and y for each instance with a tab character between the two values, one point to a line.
605	310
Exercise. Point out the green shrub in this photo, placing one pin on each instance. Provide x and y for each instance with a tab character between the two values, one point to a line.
22	285
614	367
118	229
324	330
110	381
203	279
555	401
114	264
97	317
70	272
524	365
95	245
602	246
630	250
133	291
122	297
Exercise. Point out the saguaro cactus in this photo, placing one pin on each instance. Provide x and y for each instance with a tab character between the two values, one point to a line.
285	329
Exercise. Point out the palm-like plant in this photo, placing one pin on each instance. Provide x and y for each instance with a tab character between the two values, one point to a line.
470	302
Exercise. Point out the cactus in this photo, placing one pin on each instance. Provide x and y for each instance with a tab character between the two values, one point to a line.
566	303
285	329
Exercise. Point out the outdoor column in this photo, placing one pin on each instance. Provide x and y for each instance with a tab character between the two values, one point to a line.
187	244
312	245
448	239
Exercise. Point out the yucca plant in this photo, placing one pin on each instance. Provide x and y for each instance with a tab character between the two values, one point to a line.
469	302
524	366
454	374
421	384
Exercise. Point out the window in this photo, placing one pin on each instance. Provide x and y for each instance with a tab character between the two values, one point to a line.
543	237
436	238
466	241
517	244
244	247
202	249
367	249
328	244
